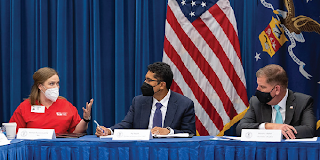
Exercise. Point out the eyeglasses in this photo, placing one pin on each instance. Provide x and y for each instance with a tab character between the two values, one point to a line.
150	80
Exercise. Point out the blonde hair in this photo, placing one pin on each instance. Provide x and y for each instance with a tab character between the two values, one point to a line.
39	77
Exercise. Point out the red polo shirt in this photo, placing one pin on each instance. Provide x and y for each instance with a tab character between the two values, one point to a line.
61	116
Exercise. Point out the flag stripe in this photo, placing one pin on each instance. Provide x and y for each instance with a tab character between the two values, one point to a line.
175	87
231	47
227	47
200	128
192	67
199	111
225	61
197	73
191	83
201	45
225	24
228	11
201	62
238	106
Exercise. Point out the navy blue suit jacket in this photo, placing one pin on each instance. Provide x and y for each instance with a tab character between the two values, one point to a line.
180	114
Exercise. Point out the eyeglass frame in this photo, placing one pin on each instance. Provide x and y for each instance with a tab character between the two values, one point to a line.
148	80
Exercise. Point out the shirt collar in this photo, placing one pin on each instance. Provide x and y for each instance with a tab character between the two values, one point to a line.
283	102
164	101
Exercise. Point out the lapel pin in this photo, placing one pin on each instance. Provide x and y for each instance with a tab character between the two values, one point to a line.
291	107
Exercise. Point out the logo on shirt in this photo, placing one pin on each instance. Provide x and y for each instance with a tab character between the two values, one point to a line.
62	113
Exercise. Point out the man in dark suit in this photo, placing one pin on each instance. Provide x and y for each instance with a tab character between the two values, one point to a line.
276	107
159	109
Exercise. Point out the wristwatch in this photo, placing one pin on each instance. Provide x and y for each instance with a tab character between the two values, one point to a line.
87	120
169	128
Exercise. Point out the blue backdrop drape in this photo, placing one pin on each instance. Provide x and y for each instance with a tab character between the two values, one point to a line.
100	48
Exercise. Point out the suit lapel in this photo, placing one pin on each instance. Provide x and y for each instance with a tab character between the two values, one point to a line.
171	110
290	106
145	112
266	113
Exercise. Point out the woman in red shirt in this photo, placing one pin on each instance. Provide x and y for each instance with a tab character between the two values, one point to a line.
47	110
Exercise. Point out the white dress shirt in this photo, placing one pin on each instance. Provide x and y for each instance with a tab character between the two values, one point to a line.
163	109
282	110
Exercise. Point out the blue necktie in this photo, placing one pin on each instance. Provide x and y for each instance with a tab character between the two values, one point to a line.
278	115
157	118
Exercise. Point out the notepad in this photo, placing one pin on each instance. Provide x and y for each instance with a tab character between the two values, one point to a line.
70	135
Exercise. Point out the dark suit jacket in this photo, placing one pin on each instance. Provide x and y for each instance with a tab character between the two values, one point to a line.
180	114
300	115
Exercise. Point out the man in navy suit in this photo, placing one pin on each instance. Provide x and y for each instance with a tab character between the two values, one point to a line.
274	106
158	108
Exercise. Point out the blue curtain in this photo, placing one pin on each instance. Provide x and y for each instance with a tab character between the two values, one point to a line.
101	49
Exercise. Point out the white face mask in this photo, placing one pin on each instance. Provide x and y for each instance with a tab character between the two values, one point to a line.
52	93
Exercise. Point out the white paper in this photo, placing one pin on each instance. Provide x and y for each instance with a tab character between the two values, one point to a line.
225	138
219	138
3	139
108	136
302	139
132	134
34	133
231	137
178	135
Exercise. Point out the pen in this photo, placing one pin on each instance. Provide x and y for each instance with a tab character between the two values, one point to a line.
98	125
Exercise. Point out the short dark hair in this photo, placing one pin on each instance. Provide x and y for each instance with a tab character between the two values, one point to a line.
274	74
162	72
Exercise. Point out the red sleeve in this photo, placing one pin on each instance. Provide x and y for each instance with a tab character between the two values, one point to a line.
75	119
18	115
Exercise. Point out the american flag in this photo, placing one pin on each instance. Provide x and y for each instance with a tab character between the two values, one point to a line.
202	47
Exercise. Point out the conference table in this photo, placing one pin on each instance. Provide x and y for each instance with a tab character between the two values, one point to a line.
198	147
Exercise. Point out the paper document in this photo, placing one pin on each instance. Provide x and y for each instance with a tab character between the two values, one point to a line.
231	137
225	138
108	136
3	139
302	139
178	135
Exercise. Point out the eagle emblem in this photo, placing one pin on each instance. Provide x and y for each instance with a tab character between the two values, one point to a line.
298	24
293	27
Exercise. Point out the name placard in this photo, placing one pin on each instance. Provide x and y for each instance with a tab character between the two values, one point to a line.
132	134
268	135
35	133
